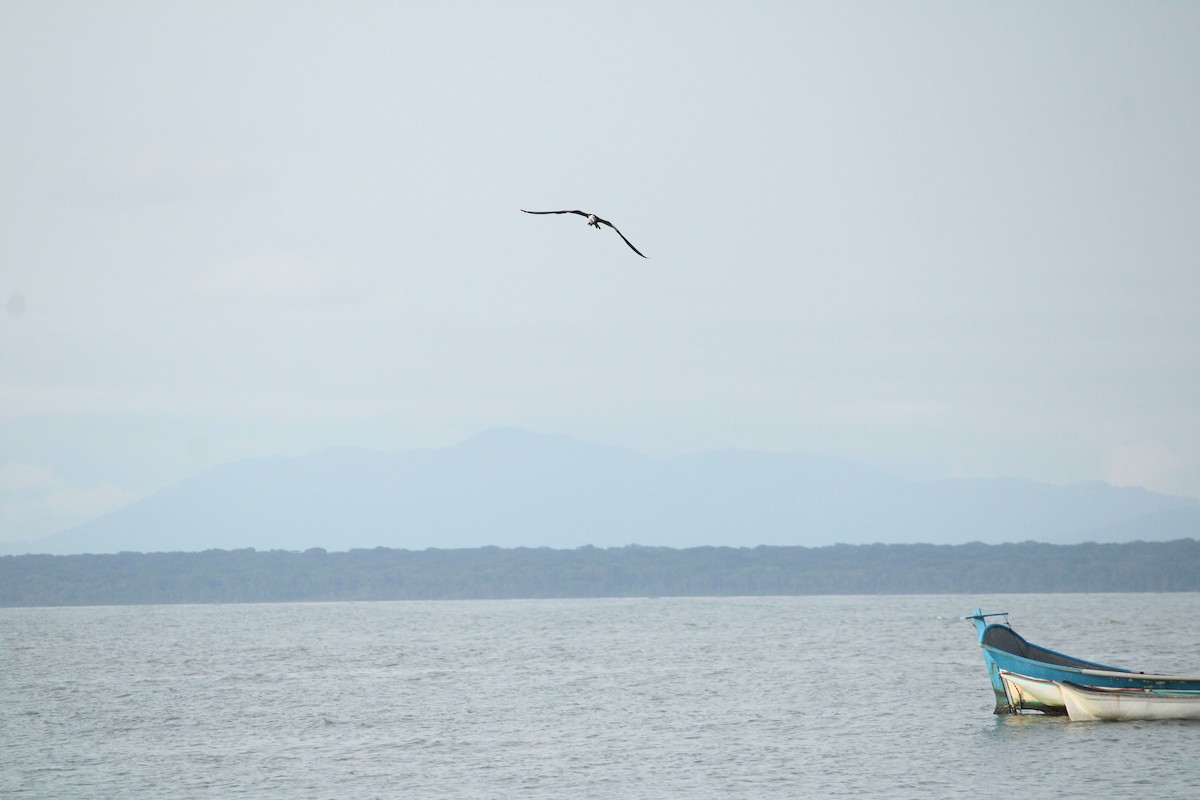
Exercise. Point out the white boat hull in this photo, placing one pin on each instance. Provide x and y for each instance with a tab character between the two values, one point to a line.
1032	694
1089	703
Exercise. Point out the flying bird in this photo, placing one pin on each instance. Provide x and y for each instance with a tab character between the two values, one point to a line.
595	222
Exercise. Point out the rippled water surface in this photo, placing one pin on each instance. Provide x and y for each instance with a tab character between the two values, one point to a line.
639	698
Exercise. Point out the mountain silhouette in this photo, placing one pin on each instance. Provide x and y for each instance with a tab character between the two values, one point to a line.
511	488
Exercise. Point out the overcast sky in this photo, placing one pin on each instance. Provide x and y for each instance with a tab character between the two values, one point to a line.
945	239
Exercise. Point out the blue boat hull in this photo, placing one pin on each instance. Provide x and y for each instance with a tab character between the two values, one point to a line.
1005	649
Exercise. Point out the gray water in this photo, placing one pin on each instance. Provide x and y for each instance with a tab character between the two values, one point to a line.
637	698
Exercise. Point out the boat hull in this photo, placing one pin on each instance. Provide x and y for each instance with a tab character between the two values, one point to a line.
1085	704
1030	694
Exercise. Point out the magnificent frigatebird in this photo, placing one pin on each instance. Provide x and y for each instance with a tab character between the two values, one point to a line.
595	222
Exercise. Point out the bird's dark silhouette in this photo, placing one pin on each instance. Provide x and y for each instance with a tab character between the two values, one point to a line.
595	222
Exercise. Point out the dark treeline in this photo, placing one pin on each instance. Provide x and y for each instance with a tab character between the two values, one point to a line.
244	576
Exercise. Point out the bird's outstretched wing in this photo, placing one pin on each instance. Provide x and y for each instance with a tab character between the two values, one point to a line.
604	221
566	211
615	228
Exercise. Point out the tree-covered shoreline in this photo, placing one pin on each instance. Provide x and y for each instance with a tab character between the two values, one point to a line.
247	576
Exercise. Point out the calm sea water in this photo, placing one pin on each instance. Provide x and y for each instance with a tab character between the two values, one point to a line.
645	698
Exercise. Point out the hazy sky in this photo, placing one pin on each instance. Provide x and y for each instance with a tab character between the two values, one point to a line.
945	239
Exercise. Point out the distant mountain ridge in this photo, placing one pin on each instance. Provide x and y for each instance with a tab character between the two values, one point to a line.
511	488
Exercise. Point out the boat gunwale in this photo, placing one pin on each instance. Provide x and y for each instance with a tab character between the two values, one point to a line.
1149	676
1141	691
1131	691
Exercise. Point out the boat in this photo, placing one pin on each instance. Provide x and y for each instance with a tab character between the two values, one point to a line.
1032	694
1086	703
1005	650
